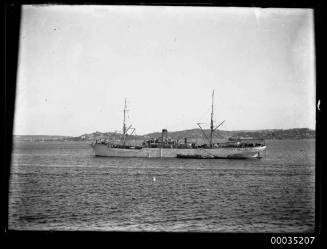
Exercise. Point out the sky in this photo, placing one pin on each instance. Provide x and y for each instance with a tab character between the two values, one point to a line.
77	64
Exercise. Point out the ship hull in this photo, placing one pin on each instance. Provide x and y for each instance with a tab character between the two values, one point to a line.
235	153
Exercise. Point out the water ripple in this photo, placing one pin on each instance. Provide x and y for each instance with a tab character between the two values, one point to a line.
59	186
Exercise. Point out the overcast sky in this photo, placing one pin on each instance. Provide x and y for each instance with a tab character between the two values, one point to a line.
77	64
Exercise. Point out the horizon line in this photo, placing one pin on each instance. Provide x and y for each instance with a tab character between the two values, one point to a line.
160	131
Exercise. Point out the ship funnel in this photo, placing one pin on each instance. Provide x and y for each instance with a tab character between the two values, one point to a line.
164	134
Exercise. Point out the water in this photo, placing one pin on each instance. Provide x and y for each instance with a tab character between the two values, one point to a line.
62	186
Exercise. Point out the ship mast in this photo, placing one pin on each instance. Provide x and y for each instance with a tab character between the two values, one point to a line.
212	128
211	120
124	124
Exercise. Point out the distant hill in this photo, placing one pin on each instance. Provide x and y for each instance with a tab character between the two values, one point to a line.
39	137
191	135
296	133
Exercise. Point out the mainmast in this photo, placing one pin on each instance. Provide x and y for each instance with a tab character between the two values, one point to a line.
212	128
124	124
211	120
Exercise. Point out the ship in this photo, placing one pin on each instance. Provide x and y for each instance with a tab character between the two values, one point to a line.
166	147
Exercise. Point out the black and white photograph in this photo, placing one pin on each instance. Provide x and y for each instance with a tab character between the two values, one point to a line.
141	118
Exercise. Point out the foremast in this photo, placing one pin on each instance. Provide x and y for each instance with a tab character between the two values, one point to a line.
124	123
211	119
125	128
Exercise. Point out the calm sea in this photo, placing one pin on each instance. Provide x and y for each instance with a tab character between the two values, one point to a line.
62	186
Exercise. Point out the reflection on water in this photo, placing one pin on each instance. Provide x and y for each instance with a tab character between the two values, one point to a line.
62	186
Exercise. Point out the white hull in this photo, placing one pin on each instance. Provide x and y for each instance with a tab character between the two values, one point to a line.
104	150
